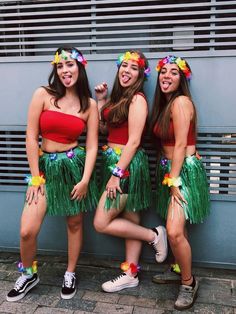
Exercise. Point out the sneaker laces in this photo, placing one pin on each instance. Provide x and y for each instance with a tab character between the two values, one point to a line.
153	244
20	282
68	280
118	277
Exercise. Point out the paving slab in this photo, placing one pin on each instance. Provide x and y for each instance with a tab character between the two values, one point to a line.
217	292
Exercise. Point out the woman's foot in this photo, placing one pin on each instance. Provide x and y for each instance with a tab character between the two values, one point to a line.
187	296
159	243
169	276
22	286
68	289
120	282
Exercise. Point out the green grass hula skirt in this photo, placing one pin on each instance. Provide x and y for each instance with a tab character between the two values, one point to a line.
137	185
194	189
62	171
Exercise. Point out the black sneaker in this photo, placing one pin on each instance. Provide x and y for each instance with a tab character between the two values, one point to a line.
68	289
22	286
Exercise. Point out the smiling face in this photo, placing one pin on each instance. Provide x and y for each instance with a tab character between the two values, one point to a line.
67	70
169	78
128	73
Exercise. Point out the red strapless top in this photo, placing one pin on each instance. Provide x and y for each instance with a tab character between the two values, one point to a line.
120	134
170	141
60	127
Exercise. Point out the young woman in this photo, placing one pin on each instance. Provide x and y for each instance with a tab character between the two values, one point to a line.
182	189
60	170
126	181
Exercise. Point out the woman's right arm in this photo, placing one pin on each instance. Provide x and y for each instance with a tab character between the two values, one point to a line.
101	96
32	133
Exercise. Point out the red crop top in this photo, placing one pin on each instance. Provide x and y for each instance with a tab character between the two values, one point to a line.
120	134
60	127
170	141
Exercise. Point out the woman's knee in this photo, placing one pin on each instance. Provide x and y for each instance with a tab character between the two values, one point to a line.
174	235
27	233
99	225
75	223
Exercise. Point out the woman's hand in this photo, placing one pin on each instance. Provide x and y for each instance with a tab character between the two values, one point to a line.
32	193
101	91
112	185
176	196
79	191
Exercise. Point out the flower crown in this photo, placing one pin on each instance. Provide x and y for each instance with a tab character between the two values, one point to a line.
74	55
177	60
134	56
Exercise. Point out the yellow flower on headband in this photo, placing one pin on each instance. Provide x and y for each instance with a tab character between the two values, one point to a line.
131	56
56	58
181	63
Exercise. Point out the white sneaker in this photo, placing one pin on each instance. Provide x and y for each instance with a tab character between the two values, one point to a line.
160	244
120	282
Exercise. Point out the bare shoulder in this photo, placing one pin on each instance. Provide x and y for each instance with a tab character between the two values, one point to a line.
92	103
183	101
139	100
41	92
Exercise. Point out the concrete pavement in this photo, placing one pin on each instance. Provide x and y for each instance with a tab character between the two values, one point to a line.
217	292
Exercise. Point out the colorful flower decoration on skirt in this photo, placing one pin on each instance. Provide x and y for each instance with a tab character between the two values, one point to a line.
163	161
53	156
70	154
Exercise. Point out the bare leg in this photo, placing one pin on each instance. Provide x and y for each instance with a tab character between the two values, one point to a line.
176	231
107	222
132	247
75	238
31	221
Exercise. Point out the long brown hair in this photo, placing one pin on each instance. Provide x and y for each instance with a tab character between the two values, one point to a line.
58	90
161	109
121	97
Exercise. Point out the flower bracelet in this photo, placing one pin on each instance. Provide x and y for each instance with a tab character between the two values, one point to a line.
171	181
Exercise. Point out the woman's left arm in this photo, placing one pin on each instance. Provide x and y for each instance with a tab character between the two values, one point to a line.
80	189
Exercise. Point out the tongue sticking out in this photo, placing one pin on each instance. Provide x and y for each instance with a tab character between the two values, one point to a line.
125	79
166	85
67	80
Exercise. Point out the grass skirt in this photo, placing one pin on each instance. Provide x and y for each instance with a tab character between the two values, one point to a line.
137	185
194	189
62	171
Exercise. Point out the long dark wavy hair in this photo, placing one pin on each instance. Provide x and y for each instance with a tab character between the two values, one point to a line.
161	109
58	90
121	97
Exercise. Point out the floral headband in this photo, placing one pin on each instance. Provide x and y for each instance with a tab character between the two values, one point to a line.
74	55
134	56
177	60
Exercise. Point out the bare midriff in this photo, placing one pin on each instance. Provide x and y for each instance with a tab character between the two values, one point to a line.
55	147
113	145
168	151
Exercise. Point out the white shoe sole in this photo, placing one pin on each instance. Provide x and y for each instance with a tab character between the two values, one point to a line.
21	296
163	235
68	297
121	287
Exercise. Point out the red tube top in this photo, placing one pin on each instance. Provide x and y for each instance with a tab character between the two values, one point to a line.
170	141
120	134
60	127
